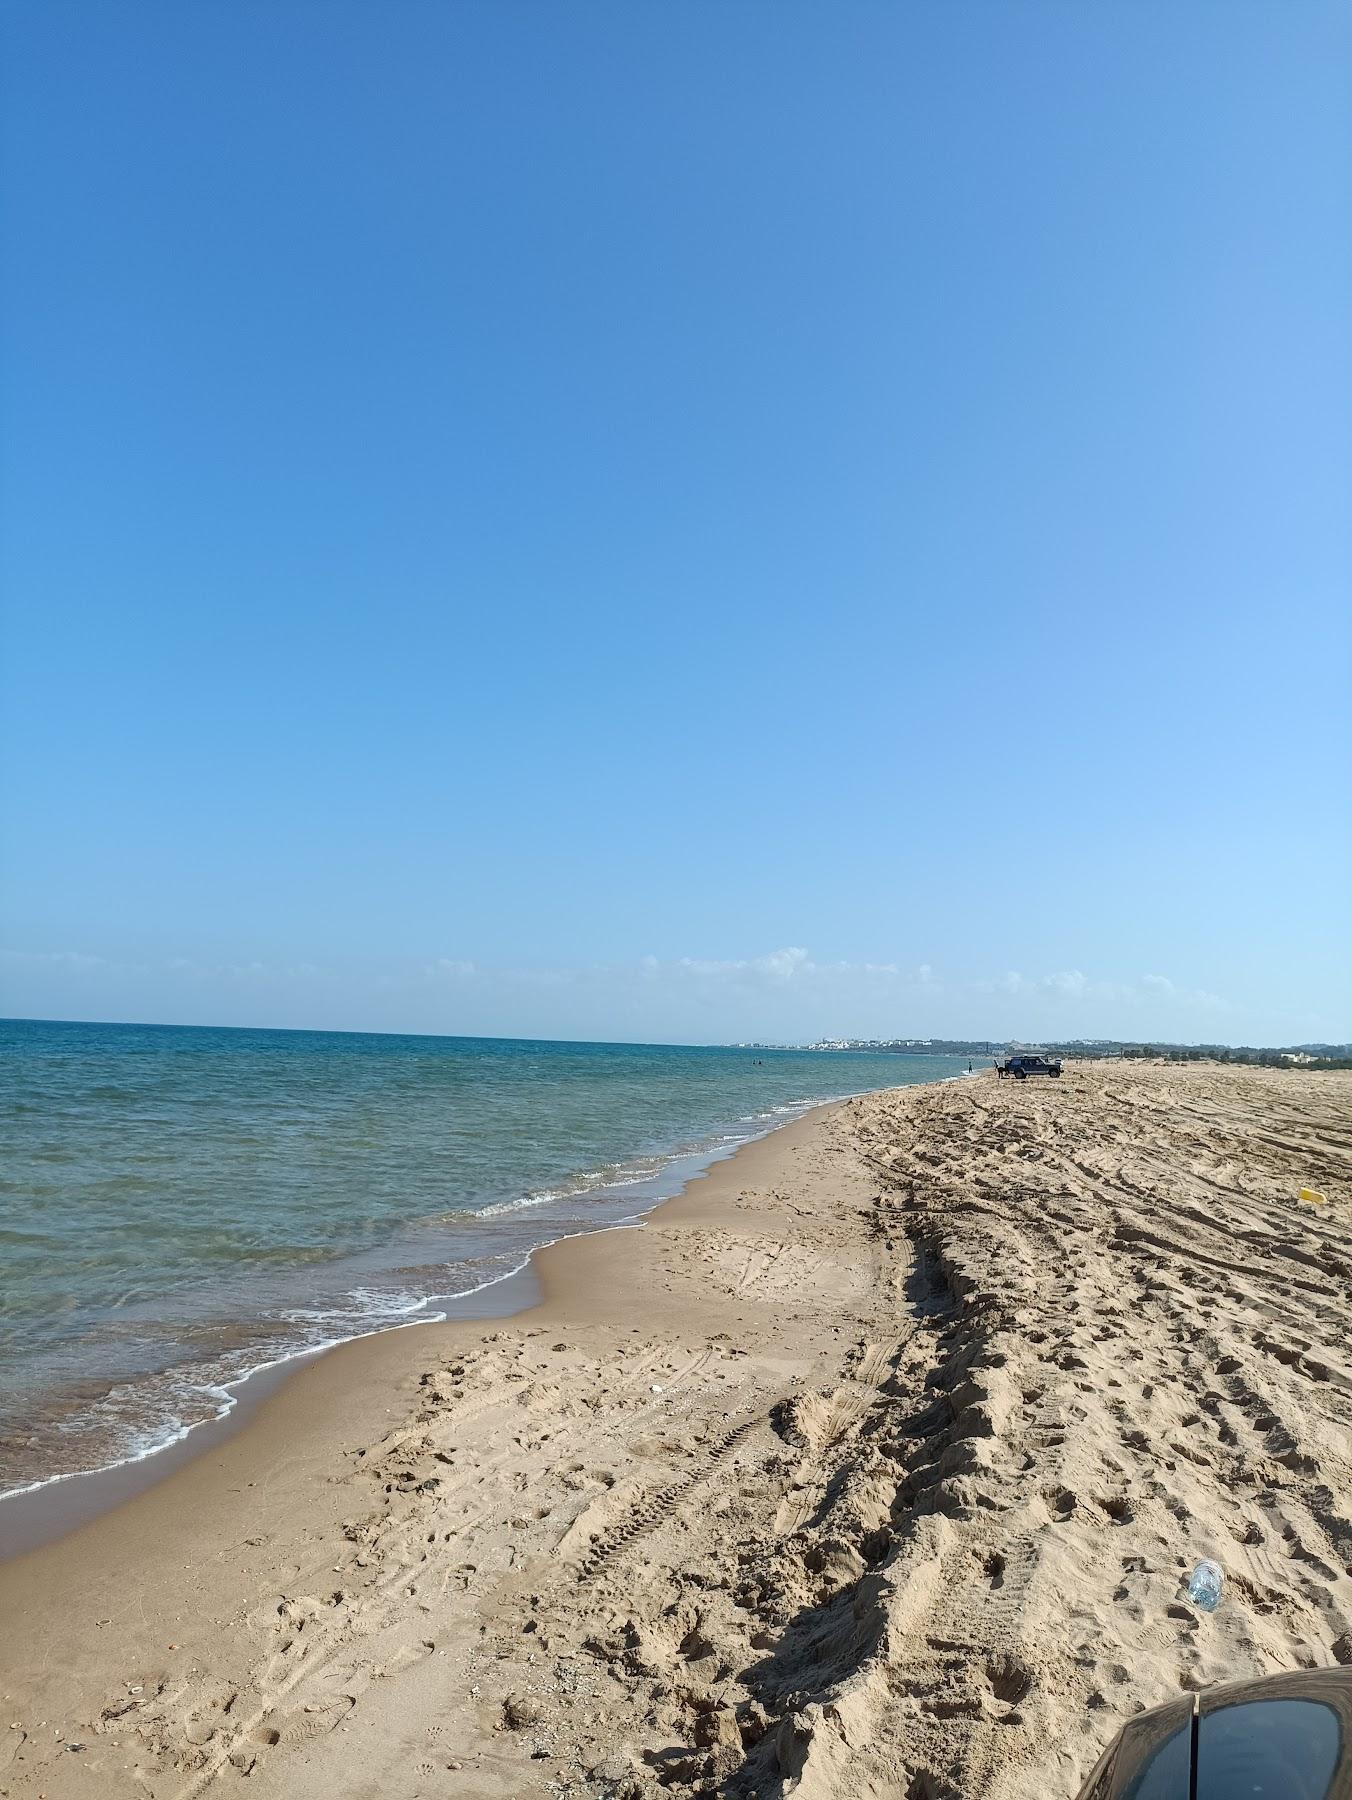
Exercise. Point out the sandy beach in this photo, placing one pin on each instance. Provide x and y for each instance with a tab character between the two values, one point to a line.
871	1466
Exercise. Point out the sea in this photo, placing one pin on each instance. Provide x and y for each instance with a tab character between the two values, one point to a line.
182	1207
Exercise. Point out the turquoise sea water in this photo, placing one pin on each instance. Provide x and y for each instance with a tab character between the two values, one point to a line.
180	1206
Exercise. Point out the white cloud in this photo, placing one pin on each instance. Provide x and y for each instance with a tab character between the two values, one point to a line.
785	994
75	961
782	967
193	969
1069	982
776	965
1047	998
1160	987
1011	982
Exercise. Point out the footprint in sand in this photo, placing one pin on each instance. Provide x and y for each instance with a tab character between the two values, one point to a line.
409	1654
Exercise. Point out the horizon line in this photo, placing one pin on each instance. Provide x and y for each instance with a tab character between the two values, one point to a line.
838	1045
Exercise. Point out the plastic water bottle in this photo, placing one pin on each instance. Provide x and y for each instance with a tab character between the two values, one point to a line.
1205	1584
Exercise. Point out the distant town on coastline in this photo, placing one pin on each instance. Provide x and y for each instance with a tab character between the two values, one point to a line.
1320	1056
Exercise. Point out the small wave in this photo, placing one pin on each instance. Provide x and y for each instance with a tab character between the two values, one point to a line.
362	1303
146	1415
543	1198
593	1182
176	1392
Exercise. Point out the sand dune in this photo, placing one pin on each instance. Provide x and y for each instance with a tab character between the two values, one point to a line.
871	1468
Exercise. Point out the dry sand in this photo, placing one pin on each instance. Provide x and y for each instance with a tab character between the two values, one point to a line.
871	1467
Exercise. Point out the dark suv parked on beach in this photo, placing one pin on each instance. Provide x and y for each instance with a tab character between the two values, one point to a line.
1021	1067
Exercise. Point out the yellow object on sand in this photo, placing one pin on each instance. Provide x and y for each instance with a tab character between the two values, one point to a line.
1313	1198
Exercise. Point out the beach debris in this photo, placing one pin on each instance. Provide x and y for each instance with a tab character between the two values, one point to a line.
520	1711
1205	1584
656	1388
1312	1197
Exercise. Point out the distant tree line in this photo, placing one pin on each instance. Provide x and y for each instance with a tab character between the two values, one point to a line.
1243	1053
1300	1056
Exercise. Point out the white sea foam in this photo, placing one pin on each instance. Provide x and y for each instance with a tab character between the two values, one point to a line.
371	1311
594	1183
363	1303
365	1311
224	1394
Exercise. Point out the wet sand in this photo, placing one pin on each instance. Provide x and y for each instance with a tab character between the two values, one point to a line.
871	1466
45	1514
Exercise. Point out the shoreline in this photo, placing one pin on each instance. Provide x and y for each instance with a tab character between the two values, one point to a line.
47	1510
873	1462
117	1353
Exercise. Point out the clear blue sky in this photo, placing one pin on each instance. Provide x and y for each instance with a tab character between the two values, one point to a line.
679	521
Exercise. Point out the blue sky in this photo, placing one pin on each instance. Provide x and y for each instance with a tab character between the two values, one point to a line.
701	521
